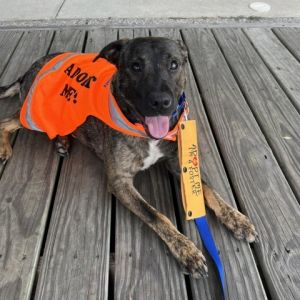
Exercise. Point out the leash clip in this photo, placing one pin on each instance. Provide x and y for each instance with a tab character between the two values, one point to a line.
185	116
186	111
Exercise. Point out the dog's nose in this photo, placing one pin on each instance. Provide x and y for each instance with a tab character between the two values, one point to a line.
166	103
160	101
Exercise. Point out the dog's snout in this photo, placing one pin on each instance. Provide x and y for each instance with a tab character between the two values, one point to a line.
160	101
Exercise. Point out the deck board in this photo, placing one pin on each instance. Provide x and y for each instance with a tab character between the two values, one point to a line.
277	117
33	45
281	62
259	184
290	38
76	256
8	42
26	190
68	40
245	93
144	268
26	186
29	47
241	264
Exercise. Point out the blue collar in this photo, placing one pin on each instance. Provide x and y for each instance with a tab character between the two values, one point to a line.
180	107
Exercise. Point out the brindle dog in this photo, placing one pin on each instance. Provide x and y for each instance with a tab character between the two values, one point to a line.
151	77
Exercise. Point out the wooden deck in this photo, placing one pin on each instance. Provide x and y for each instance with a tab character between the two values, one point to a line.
63	236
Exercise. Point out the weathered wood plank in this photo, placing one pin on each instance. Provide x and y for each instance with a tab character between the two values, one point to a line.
277	117
140	32
31	46
25	189
144	269
236	256
280	61
25	193
76	258
259	184
68	40
125	33
290	37
8	43
30	191
98	39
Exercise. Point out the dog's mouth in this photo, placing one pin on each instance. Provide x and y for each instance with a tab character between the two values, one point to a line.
157	126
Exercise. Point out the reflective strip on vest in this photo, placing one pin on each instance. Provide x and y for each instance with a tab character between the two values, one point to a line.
118	120
28	117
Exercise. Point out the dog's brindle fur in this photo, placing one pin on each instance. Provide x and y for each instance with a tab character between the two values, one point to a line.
144	79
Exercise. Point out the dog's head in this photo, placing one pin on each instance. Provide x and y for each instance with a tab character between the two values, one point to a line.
150	80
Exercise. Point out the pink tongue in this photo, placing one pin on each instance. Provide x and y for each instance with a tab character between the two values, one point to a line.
158	126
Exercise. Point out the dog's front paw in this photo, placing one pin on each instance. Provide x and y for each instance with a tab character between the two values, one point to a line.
5	152
190	257
240	225
244	229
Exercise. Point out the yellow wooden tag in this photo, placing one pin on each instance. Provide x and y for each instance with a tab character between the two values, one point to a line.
191	187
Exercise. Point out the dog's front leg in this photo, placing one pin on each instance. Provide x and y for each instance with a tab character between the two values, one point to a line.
235	221
184	250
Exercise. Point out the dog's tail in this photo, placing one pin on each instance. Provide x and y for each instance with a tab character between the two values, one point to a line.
9	90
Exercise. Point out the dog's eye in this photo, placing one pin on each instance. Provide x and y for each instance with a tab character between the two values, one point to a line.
173	65
136	67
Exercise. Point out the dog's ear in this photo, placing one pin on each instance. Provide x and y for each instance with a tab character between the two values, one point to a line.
183	49
112	51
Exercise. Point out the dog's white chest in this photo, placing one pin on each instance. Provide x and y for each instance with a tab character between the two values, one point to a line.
154	154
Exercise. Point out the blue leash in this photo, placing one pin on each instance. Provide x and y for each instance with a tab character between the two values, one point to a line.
201	222
211	248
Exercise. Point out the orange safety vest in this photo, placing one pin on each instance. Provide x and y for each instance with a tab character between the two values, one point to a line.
71	87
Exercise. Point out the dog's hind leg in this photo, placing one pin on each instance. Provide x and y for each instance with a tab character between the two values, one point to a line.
7	127
9	90
184	250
